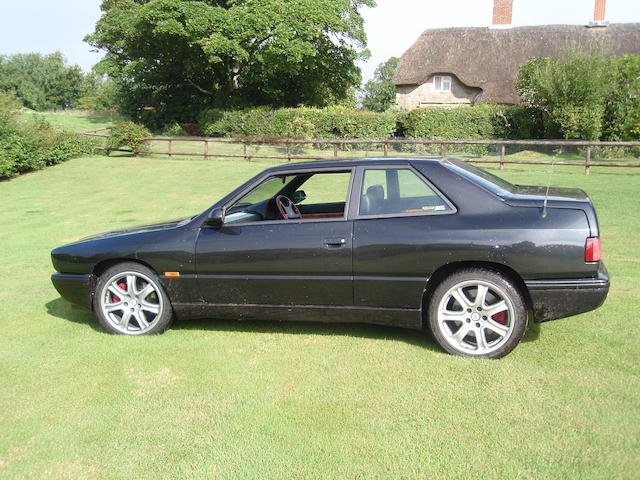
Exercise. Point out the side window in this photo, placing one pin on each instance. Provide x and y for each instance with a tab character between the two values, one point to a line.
397	191
376	179
326	188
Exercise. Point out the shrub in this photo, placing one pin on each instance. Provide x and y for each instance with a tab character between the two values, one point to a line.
128	134
172	130
585	96
481	122
622	109
477	122
523	122
33	144
307	123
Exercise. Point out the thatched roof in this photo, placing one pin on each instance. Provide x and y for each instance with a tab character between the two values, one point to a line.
489	58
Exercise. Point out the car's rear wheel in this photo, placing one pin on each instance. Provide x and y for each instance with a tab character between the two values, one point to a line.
477	313
129	300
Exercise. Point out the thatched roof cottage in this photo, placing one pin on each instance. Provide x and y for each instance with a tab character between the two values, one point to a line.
455	66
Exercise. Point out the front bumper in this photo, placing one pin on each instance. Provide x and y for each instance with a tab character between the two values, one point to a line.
553	299
75	288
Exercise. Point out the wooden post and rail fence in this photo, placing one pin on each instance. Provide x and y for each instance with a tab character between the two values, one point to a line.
290	143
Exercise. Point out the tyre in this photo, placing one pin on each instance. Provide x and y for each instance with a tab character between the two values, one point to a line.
129	300
477	313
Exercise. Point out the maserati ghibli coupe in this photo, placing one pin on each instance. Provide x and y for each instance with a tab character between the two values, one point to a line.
413	243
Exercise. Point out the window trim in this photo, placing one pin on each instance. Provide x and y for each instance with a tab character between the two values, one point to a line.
354	212
345	217
442	81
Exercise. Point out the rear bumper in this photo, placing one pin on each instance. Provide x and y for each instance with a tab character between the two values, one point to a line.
75	288
553	299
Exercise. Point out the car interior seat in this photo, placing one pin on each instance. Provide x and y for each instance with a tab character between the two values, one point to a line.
371	202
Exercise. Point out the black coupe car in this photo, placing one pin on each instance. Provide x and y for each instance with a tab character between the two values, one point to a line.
403	242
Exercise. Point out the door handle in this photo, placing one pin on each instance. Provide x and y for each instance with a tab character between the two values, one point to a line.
334	242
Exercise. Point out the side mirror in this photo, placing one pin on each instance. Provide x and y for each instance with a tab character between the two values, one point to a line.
216	218
299	196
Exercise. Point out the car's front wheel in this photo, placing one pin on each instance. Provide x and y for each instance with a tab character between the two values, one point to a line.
129	300
477	313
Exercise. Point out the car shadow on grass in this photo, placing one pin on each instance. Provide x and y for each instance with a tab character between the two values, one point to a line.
62	309
418	338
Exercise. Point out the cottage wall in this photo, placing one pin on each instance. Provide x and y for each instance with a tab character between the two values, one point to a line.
425	95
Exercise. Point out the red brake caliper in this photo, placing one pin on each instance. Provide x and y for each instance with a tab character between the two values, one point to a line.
114	297
500	317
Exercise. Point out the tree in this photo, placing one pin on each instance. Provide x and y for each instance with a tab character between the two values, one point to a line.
571	93
41	81
586	95
380	92
622	110
99	93
181	56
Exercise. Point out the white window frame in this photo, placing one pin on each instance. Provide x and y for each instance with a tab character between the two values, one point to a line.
442	83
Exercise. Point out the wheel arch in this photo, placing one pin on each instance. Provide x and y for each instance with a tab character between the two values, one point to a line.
449	269
104	265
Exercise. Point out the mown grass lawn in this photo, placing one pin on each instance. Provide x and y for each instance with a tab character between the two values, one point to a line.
77	121
220	399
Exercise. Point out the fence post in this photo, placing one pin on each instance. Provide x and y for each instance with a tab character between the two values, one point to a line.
170	148
288	152
503	149
587	167
335	149
244	148
206	150
386	149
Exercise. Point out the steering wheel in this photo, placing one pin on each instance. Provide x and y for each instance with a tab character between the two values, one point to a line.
287	209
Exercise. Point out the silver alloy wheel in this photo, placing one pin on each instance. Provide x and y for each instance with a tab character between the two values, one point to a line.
131	302
476	317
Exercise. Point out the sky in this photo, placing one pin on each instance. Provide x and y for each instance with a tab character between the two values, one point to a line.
392	27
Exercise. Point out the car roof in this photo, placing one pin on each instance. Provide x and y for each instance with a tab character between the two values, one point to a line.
355	162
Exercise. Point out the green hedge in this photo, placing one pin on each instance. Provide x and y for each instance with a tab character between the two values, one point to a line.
477	122
472	123
33	144
299	123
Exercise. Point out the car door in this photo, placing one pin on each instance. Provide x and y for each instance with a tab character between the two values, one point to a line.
305	261
400	221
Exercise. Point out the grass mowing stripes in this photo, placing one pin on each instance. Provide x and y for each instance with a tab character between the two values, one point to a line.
220	399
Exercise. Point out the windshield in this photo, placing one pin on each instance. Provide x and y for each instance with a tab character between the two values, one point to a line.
489	181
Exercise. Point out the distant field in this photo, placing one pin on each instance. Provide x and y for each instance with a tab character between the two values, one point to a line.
77	121
231	400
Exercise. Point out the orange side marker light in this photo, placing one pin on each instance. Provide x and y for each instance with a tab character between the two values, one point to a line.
172	274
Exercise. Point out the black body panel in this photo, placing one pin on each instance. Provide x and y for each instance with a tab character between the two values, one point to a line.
76	288
276	263
356	269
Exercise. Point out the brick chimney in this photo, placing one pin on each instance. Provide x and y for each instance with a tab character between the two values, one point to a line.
599	14
502	13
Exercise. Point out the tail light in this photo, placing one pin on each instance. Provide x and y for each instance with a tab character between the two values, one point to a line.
592	250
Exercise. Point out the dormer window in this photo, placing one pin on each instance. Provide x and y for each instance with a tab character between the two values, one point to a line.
442	83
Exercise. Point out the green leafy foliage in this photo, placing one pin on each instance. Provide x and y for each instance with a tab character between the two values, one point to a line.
480	122
32	144
181	57
622	109
99	94
379	94
331	122
477	122
585	96
41	82
128	134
